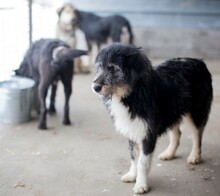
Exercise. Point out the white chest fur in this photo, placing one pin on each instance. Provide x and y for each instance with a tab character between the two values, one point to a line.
135	129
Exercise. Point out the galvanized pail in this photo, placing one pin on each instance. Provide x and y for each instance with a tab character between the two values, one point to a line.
16	95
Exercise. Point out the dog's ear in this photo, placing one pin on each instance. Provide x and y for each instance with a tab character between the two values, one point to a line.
59	10
136	65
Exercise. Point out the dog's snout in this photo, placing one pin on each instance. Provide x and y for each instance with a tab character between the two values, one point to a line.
97	87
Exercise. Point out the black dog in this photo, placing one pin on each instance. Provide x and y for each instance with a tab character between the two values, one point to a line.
46	61
144	102
99	29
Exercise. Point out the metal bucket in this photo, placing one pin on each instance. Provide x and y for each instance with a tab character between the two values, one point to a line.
16	95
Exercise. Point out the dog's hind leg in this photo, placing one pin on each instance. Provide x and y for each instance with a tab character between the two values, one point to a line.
131	175
52	97
68	91
174	135
195	154
42	93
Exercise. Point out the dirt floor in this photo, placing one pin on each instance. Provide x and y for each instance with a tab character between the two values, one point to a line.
89	157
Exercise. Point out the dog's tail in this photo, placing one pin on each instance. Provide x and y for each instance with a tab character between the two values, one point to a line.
76	53
62	53
126	35
121	31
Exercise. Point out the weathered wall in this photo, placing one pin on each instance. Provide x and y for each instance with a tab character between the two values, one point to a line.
167	28
174	42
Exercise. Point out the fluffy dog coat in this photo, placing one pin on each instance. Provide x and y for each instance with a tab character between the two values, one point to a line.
46	61
145	102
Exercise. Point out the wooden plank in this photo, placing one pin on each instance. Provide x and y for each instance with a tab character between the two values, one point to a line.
160	13
199	7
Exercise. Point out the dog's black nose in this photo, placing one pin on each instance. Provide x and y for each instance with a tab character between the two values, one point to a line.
97	88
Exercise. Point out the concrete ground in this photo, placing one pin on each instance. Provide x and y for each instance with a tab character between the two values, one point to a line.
89	157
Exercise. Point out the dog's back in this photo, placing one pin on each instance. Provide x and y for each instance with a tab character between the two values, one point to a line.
99	29
188	80
39	52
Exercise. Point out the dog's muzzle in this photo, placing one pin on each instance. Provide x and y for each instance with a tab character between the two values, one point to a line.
96	87
97	84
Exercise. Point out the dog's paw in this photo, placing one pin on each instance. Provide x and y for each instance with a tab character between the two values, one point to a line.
66	121
85	70
193	159
52	110
166	155
128	177
140	189
42	126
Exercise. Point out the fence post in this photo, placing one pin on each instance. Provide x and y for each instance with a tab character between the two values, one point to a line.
30	20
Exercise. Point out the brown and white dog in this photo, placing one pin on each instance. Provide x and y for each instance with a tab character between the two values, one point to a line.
68	32
97	31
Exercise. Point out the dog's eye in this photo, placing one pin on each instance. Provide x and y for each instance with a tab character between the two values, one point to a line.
98	65
113	68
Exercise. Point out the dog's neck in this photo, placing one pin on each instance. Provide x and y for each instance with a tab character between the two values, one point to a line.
142	92
69	29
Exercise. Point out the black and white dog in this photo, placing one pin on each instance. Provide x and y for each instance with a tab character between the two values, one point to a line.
145	102
47	61
98	30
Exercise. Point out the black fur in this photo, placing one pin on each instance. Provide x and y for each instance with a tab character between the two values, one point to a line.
40	65
163	94
98	29
160	96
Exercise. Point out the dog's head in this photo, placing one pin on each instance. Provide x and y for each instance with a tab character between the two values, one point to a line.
67	15
119	67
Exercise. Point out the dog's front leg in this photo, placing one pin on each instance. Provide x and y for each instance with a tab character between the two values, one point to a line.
131	175
143	168
146	149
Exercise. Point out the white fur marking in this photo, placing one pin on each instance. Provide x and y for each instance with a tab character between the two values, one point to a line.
82	45
195	154
125	36
66	17
135	130
143	168
56	50
93	53
131	175
174	136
